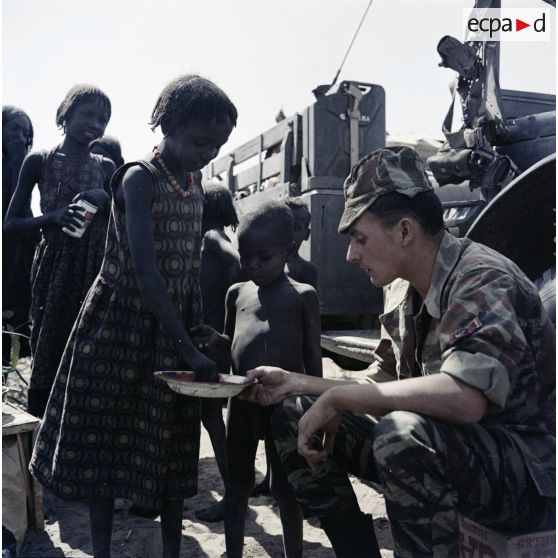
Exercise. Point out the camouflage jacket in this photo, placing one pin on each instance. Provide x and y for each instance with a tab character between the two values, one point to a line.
482	322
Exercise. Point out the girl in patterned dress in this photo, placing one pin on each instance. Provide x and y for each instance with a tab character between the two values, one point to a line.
110	429
64	267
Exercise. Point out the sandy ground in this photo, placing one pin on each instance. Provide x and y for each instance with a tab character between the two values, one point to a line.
66	532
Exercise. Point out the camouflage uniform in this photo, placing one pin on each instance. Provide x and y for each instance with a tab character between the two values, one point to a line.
483	323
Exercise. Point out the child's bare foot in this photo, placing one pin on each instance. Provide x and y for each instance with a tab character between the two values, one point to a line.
214	513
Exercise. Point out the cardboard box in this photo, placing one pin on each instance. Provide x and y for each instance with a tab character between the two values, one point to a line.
478	541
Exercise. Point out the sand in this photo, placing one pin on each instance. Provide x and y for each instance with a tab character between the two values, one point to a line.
66	532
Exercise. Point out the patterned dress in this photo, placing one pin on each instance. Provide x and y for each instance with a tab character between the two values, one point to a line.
110	429
64	267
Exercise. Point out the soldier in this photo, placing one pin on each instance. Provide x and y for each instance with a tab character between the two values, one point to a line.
463	428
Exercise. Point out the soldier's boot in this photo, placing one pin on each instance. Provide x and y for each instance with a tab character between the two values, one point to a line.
351	535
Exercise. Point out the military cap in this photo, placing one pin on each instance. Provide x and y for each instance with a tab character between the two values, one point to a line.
389	169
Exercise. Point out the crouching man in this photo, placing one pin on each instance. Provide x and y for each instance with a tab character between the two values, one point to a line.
463	427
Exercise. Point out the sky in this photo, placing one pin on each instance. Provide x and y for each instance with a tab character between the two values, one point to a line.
265	54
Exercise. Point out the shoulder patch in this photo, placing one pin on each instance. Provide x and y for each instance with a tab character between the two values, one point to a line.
474	325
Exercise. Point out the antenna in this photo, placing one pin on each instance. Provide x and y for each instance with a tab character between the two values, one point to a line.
352	41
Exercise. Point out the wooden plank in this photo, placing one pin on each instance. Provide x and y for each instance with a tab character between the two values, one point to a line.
39	516
275	135
247	150
246	178
269	167
286	156
358	344
15	421
259	165
297	140
269	138
24	460
219	166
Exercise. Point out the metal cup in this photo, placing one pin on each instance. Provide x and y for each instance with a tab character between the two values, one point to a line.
87	212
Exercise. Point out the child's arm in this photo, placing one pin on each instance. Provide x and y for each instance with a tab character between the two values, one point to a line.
232	260
14	152
138	189
218	345
312	332
16	219
312	275
230	310
225	250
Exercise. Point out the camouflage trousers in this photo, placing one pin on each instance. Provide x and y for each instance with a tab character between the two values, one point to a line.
429	472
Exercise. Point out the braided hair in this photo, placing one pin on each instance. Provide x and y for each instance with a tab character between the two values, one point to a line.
271	216
298	204
191	97
80	93
218	205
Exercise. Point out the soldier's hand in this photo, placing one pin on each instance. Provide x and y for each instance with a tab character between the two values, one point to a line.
273	385
317	428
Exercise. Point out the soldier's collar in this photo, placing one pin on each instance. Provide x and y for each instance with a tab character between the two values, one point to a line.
448	255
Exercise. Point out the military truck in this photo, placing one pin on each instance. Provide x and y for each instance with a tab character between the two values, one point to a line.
495	177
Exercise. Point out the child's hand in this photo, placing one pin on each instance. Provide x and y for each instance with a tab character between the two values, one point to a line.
97	197
213	345
206	370
204	337
67	216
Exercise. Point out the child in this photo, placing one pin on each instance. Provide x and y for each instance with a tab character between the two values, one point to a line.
110	429
17	254
301	271
220	269
108	147
298	268
220	259
271	320
17	140
64	266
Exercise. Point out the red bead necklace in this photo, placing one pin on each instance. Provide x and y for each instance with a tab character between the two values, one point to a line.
170	177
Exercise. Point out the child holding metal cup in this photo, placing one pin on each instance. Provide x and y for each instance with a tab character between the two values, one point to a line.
69	255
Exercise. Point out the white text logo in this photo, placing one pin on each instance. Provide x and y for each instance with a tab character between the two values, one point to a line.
507	24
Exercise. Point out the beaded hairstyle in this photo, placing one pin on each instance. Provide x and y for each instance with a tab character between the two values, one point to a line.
273	217
296	204
9	112
218	205
80	93
191	97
